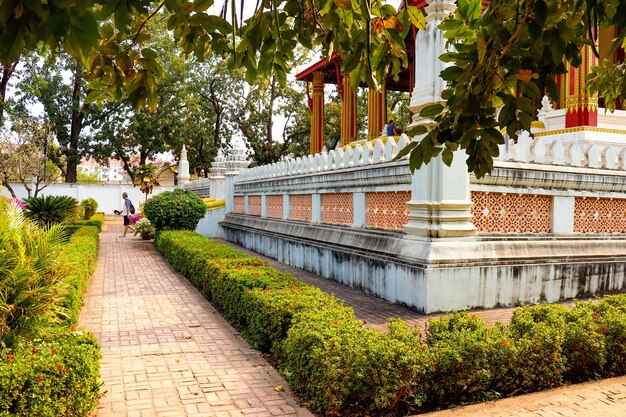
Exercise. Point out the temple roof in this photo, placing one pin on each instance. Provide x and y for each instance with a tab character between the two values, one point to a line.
332	67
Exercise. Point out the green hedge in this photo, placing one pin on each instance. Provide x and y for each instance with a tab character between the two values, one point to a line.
342	368
95	220
79	255
52	378
59	375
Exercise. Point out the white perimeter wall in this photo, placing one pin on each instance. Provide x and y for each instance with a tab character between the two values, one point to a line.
108	196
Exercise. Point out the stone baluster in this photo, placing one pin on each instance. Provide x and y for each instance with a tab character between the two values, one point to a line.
609	158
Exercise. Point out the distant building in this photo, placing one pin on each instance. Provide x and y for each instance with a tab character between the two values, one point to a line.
115	172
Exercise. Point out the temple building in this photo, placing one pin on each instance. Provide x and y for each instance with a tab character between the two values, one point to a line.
548	223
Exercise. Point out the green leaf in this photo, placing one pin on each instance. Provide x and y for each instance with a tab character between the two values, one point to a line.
431	110
529	88
416	159
405	151
482	49
507	114
416	130
446	156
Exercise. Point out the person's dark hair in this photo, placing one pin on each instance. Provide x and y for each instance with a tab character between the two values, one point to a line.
124	194
390	121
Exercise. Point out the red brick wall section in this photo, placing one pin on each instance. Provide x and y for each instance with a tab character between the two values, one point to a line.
512	213
274	206
254	205
300	207
387	210
599	215
239	204
338	208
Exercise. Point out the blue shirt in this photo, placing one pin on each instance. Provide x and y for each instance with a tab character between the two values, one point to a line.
390	129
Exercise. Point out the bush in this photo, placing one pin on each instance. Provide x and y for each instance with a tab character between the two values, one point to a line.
51	209
90	206
31	278
96	220
342	368
176	210
79	260
50	378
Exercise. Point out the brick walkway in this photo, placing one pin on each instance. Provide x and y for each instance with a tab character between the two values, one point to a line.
165	350
605	398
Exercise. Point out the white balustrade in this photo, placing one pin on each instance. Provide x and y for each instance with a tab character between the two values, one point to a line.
557	153
592	156
621	163
368	153
402	142
609	158
390	148
379	148
347	158
538	152
357	155
574	156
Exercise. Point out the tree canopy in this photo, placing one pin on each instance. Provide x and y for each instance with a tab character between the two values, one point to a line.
501	58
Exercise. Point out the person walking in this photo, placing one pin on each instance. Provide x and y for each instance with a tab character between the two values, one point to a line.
391	129
127	210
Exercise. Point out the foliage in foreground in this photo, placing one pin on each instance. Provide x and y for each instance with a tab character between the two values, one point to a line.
46	368
31	278
52	209
345	369
90	206
52	377
175	210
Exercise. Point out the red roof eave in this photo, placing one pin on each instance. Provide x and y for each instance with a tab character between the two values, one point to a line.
307	74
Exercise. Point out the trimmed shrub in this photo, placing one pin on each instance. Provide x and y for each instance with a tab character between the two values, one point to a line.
50	378
96	220
90	206
53	209
79	260
175	210
343	368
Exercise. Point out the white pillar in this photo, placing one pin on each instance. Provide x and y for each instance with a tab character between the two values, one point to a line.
359	207
286	207
316	208
440	203
183	167
563	215
263	205
229	191
429	45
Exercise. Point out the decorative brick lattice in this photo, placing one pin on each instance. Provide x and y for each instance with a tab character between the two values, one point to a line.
599	215
300	207
274	206
338	208
511	213
254	205
387	210
239	204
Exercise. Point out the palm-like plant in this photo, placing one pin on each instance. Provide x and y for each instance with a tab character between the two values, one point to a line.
31	279
145	177
51	210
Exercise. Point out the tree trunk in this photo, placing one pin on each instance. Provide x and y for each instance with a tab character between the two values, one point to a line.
7	71
10	189
78	115
217	108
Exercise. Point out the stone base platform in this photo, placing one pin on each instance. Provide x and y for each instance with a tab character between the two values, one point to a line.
443	274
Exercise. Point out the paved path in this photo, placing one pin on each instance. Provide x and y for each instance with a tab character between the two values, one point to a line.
165	350
605	398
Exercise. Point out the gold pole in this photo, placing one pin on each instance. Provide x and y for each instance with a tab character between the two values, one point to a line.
317	113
